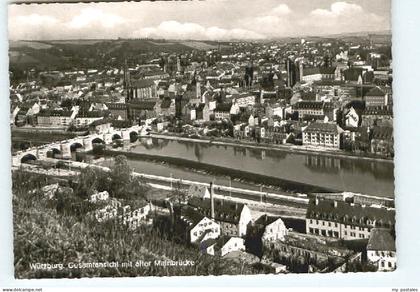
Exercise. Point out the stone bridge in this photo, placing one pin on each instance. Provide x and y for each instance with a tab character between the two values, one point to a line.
66	147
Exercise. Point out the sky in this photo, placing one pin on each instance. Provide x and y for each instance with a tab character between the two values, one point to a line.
200	20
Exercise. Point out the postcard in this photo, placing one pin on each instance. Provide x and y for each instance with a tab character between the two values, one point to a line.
187	138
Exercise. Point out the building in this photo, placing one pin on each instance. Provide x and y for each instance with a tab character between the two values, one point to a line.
143	110
142	89
233	217
312	109
223	245
196	226
377	116
339	219
292	72
376	98
56	118
310	75
245	100
222	111
322	134
352	118
382	141
118	110
272	228
84	119
381	249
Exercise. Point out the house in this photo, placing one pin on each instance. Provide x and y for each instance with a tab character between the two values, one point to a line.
272	228
99	197
84	119
223	246
222	111
322	134
377	116
382	141
376	98
339	219
55	118
352	118
118	110
381	249
235	109
132	215
196	226
233	217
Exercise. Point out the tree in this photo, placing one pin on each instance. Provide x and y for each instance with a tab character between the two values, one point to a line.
87	183
120	175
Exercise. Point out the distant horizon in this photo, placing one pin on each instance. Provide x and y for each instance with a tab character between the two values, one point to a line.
204	20
344	34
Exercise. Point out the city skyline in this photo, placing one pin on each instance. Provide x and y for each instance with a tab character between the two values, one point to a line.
228	21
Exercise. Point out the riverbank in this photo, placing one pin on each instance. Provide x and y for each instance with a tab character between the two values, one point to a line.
275	147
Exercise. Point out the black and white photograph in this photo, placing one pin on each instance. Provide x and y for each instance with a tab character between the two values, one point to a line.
201	138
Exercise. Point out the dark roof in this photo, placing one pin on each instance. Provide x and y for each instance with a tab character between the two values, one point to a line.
322	128
223	107
347	213
55	113
226	211
99	122
377	111
381	240
327	83
309	105
116	106
376	91
265	220
154	72
321	70
166	103
141	83
309	96
200	106
382	133
89	114
352	74
191	215
327	70
145	105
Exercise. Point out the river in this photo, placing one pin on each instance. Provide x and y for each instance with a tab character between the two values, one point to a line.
342	174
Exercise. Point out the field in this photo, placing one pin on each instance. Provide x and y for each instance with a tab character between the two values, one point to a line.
30	44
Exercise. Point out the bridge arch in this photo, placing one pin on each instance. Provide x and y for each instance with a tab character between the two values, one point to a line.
116	136
98	140
133	136
53	151
28	157
74	146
